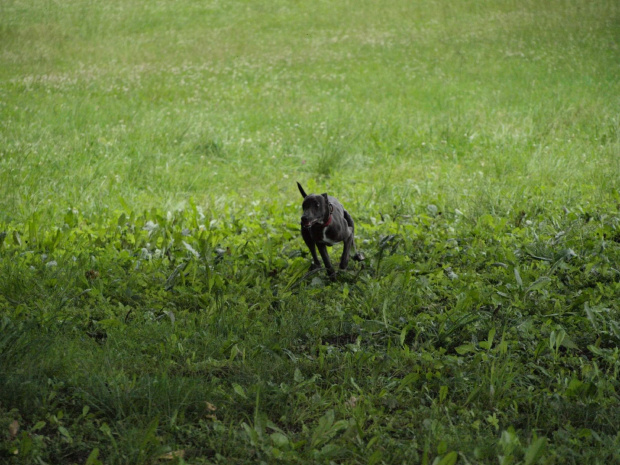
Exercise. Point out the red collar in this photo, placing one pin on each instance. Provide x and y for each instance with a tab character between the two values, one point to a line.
328	222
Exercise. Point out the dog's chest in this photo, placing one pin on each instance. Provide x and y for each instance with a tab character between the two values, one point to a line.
326	239
322	236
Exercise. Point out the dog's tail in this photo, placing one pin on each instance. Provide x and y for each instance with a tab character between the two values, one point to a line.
303	192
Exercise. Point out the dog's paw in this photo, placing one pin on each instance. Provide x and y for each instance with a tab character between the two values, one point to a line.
359	256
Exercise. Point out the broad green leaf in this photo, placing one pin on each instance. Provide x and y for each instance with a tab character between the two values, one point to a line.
518	277
535	451
239	390
17	239
65	433
279	440
539	284
443	393
465	348
92	457
490	337
38	425
449	459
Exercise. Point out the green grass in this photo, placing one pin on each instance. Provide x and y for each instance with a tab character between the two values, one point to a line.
155	300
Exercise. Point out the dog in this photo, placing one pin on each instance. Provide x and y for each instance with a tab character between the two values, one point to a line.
325	222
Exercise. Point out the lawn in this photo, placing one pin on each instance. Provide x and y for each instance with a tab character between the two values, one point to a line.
156	304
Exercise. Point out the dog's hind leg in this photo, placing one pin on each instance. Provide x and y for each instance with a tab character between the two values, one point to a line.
349	220
344	260
358	257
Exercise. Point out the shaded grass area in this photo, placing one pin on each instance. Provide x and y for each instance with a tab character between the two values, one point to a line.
475	337
155	300
158	103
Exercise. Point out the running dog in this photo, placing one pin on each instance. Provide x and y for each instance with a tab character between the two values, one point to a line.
324	223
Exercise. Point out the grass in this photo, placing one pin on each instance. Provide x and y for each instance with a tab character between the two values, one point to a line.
155	301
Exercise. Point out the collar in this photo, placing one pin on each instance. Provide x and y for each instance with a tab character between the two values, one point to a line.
328	222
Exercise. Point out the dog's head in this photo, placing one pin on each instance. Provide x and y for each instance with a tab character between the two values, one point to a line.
317	209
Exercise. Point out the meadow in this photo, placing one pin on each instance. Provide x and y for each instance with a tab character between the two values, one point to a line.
156	304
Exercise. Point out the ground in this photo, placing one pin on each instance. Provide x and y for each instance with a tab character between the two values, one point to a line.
155	299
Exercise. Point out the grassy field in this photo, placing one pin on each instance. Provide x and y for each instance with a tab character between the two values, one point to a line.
155	300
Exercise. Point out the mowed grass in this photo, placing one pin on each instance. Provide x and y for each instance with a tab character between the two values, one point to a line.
155	305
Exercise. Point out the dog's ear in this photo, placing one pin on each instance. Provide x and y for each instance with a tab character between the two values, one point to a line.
330	207
303	192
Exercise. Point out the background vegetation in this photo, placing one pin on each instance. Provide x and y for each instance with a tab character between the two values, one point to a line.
155	305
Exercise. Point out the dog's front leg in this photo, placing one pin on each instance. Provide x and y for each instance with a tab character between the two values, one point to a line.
325	256
305	233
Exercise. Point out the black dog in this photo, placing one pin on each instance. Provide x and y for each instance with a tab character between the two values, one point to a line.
324	223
